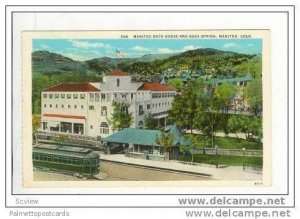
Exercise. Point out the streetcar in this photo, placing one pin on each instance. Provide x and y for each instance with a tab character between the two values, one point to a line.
66	158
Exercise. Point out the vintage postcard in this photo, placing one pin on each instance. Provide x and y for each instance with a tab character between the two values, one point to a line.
146	108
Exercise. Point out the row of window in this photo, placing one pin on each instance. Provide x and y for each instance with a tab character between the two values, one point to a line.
97	97
107	97
65	160
63	96
104	108
162	95
91	107
156	105
149	149
104	97
76	128
63	106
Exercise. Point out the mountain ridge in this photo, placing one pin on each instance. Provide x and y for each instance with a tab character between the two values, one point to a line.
208	58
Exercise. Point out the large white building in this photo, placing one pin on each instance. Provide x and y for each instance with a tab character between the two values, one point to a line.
85	108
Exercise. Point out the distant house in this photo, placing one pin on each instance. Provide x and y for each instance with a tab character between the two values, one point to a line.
141	143
163	81
239	81
169	73
186	77
239	103
200	71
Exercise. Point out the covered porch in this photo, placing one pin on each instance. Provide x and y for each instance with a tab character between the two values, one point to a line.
161	119
138	143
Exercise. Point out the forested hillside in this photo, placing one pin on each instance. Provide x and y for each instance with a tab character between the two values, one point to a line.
51	68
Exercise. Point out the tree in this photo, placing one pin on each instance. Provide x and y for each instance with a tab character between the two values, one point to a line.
61	139
255	128
36	124
176	83
166	140
150	122
234	124
209	117
186	106
253	95
247	124
192	145
224	95
120	118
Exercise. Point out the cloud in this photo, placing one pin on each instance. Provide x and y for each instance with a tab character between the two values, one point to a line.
95	52
231	45
189	47
183	49
165	50
87	45
76	56
43	46
140	49
71	49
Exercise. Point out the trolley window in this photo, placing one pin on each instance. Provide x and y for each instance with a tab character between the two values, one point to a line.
94	161
55	159
74	161
79	162
35	156
50	158
44	157
69	160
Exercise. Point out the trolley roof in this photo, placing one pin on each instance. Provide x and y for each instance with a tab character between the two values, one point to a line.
65	151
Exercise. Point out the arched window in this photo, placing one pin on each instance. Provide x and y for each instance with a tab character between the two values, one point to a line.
104	128
118	82
141	124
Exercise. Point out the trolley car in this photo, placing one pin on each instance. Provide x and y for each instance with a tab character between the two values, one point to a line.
65	158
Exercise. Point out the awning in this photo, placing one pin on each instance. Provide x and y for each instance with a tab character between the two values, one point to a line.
64	116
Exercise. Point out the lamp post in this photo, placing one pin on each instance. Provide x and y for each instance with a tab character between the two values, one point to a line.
216	148
244	150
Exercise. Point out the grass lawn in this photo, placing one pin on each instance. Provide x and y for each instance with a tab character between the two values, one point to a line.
231	143
224	160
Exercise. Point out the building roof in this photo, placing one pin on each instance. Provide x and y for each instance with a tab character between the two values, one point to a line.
156	87
72	87
175	131
134	136
63	116
248	77
117	72
65	151
143	136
